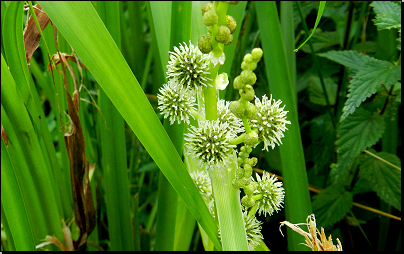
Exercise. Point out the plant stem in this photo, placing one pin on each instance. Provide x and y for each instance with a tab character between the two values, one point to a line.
227	200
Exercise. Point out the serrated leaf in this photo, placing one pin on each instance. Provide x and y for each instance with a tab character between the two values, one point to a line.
384	179
349	58
366	80
331	205
388	15
316	94
359	131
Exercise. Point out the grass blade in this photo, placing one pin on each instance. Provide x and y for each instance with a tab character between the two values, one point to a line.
297	198
82	27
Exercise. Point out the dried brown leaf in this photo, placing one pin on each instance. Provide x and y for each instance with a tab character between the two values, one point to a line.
31	33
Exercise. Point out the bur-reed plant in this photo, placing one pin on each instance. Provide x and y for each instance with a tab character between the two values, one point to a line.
142	124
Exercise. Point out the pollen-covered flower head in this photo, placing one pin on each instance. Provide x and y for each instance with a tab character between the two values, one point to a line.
189	66
270	121
209	144
272	193
175	102
253	230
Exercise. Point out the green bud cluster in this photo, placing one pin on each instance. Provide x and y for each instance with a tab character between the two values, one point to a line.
244	171
247	77
222	34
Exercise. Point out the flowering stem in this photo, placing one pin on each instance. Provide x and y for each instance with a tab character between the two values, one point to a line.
238	140
210	94
246	124
196	115
228	208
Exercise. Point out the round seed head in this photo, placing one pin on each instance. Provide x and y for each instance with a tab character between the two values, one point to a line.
189	67
272	194
208	144
175	102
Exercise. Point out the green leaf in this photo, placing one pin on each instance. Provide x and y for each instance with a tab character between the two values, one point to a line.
84	30
331	205
349	58
359	131
388	15
384	179
319	14
297	205
316	94
366	80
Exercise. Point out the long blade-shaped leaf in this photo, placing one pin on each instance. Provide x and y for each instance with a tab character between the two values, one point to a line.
83	29
297	198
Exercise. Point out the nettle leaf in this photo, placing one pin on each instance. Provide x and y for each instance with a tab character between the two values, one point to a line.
364	83
352	59
384	179
359	131
388	15
315	90
331	205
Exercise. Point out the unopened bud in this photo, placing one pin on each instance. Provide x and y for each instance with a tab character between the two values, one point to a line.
233	2
231	23
249	189
223	34
237	108
257	54
230	41
247	171
248	58
210	18
238	83
251	139
206	7
204	44
250	111
247	201
248	66
248	77
247	93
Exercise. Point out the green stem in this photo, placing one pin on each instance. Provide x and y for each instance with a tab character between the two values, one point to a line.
238	140
228	208
197	116
227	198
210	95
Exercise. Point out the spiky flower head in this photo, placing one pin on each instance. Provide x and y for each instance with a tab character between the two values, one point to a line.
272	193
270	121
176	102
209	144
202	182
189	66
204	185
253	230
225	115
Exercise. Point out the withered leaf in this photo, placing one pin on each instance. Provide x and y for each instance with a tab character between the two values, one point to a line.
31	33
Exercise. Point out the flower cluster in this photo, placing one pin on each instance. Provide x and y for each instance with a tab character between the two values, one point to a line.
212	143
209	144
189	67
253	231
271	194
204	185
176	102
270	121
